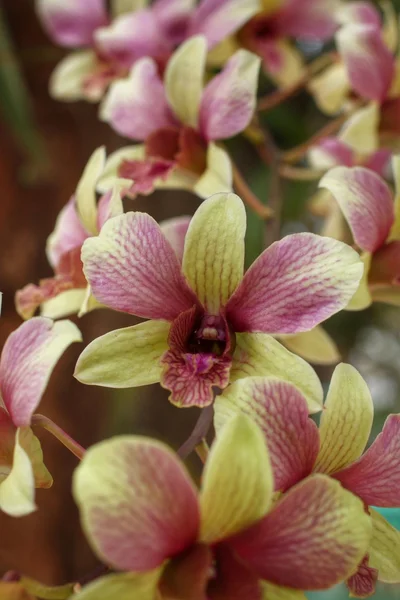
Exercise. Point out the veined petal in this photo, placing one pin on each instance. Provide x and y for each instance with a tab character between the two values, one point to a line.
86	204
218	175
68	234
175	232
131	267
69	78
375	477
362	583
229	99
213	258
369	62
316	522
278	592
110	204
73	23
138	505
366	202
17	490
31	446
123	358
184	77
330	89
217	19
281	412
28	358
346	420
295	284
258	354
315	346
237	481
384	549
362	298
136	106
121	586
113	163
360	131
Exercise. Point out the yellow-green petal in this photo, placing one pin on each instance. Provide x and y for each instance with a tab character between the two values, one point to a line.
346	421
122	586
237	481
384	549
17	490
86	203
315	346
123	358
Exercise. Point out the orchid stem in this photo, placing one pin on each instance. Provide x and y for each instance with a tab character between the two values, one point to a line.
60	434
299	173
248	196
202	450
199	432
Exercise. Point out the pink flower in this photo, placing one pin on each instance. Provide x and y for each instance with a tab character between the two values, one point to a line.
209	322
179	119
115	42
298	448
373	215
27	361
144	517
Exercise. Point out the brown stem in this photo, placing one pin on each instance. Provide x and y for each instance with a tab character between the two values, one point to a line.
60	434
199	432
277	97
299	173
248	196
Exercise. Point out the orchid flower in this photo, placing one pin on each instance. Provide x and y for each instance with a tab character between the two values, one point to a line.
66	293
179	120
299	448
144	517
373	215
271	32
357	144
210	324
112	46
27	361
367	65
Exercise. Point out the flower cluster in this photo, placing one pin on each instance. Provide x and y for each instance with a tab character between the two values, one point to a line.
283	505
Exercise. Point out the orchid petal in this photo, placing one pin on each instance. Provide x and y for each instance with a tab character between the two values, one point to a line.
67	303
360	11
237	481
315	346
369	62
281	412
278	592
110	204
124	358
187	575
294	285
86	204
330	152
395	230
175	230
258	354
184	77
31	446
233	580
229	100
346	421
17	490
330	89
138	505
384	549
121	586
136	106
68	234
218	19
213	258
375	477
360	131
218	175
73	23
366	202
316	522
113	163
69	78
131	267
28	358
363	583
362	298
281	60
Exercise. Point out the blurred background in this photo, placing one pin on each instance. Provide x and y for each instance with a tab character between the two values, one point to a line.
44	146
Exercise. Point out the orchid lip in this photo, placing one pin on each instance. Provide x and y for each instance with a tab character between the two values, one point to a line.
211	336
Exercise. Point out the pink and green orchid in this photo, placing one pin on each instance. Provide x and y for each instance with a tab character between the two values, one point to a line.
299	448
113	42
27	361
145	518
179	119
373	214
209	322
